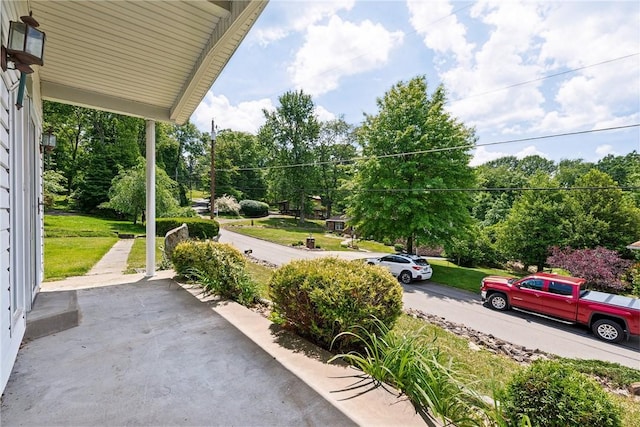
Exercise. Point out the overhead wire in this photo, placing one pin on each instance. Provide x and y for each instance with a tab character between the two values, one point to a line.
431	150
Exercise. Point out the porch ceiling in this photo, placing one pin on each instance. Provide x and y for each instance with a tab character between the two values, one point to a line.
153	59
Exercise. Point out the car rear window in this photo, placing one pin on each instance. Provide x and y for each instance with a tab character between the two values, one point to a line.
421	261
560	288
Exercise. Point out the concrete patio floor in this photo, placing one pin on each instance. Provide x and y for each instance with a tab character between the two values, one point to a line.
150	352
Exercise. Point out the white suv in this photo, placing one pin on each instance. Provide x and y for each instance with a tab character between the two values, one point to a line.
405	267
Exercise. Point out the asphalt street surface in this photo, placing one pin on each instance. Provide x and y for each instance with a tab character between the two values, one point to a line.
466	308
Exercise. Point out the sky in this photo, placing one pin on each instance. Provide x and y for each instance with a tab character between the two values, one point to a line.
512	70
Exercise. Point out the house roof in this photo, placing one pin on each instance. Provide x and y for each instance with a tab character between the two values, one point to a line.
152	59
341	218
634	246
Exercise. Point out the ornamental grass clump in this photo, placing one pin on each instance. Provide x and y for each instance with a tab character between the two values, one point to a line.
322	298
416	367
551	394
219	268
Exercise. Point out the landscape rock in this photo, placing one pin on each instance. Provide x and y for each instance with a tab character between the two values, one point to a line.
634	388
173	237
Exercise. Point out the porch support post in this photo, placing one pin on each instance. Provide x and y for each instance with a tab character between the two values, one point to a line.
151	197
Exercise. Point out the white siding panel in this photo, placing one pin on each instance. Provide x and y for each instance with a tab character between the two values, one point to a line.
4	156
4	217
4	206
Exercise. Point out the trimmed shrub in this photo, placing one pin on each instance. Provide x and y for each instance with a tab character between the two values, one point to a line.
254	208
322	298
227	205
553	395
218	267
199	228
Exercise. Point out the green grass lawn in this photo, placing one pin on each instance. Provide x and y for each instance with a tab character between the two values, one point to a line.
87	226
466	278
286	231
75	243
73	256
138	256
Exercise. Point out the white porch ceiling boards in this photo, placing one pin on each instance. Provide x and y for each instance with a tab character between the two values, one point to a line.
154	59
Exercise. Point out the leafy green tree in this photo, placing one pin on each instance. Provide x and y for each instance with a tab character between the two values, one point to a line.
336	147
236	154
127	194
606	218
535	223
391	192
290	133
568	171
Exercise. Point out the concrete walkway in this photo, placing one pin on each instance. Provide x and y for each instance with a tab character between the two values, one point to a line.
114	261
149	351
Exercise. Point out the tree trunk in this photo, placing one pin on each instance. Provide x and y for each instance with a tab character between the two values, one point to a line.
410	244
301	208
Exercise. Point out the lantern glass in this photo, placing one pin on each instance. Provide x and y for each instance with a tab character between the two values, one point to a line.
17	35
35	42
49	139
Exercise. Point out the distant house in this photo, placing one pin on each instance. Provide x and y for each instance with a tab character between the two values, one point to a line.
338	225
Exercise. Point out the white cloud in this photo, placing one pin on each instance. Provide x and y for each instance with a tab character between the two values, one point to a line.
299	16
524	41
531	151
246	116
482	155
323	114
440	28
603	150
339	49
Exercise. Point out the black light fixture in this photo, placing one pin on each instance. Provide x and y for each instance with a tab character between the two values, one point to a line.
25	46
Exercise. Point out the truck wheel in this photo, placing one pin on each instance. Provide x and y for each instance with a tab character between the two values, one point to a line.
608	330
498	302
405	277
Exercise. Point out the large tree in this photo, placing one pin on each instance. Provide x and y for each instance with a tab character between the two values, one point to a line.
290	133
536	222
336	148
127	194
238	161
397	193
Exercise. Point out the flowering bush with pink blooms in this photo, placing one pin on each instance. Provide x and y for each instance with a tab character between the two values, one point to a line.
602	268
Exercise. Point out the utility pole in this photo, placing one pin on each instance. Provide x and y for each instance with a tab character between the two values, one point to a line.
213	168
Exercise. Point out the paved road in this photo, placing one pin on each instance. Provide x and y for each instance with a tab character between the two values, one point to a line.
466	308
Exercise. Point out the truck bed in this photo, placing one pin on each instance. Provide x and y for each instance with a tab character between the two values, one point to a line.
617	300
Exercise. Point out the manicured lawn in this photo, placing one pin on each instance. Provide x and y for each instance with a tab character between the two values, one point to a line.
261	276
75	243
87	226
138	256
450	274
287	231
66	257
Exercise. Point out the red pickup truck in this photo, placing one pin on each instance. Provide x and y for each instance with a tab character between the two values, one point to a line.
610	317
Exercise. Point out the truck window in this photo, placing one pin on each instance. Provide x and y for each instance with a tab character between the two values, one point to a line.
560	288
536	284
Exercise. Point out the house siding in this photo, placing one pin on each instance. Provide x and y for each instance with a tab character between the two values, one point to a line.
21	219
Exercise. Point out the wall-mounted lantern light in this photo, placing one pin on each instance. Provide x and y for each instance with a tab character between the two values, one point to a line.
49	140
25	46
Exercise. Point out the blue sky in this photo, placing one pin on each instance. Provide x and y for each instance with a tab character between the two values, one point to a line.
512	69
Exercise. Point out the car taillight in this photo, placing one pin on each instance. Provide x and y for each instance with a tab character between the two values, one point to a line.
417	267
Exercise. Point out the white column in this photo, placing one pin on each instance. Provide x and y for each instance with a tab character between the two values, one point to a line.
151	198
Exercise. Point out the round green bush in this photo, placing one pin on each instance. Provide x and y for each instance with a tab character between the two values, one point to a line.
218	267
199	228
321	298
254	208
555	395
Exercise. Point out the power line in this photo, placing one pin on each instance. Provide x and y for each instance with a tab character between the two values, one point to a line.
547	77
467	190
431	150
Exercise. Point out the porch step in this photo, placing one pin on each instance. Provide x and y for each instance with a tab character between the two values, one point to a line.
52	312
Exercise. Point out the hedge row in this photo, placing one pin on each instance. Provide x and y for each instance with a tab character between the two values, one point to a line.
199	228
